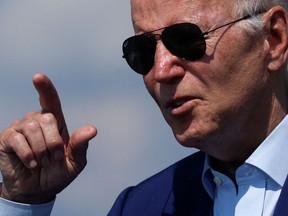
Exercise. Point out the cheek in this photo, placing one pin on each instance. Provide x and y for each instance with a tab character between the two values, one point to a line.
239	73
151	86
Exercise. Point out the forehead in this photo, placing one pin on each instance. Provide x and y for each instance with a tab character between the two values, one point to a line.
151	14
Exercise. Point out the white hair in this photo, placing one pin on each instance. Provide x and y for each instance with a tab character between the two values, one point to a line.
252	7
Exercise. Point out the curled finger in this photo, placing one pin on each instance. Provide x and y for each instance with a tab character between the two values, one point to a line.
33	133
13	142
53	140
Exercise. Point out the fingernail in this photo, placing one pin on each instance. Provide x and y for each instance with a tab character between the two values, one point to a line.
58	155
32	164
45	161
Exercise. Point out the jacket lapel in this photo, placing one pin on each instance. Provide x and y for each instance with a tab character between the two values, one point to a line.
188	196
282	204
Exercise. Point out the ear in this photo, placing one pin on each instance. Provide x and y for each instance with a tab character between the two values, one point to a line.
277	30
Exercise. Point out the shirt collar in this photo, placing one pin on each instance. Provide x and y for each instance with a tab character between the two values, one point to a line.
271	154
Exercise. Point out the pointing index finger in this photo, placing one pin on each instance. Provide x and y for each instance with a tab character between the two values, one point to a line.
49	99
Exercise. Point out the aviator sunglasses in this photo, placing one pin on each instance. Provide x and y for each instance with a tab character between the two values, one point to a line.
184	40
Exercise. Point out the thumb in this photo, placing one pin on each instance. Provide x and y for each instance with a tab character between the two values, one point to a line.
77	148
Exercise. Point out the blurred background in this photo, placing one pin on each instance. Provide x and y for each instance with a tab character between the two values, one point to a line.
77	43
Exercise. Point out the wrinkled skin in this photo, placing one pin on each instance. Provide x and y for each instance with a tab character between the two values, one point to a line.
38	158
226	103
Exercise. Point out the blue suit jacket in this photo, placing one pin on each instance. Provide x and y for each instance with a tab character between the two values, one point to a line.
176	191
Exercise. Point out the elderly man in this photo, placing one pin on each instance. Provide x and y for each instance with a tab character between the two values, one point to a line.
216	69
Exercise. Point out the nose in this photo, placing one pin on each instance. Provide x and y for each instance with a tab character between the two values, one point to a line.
167	67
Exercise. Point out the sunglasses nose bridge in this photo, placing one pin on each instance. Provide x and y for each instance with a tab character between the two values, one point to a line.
164	68
161	50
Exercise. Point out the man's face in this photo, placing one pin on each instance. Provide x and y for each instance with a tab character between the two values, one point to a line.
215	103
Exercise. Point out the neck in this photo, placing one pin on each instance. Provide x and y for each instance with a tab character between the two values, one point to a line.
227	168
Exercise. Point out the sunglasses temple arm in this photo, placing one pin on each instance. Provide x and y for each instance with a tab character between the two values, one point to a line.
243	18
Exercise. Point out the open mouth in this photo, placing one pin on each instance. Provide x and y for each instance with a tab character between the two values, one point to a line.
176	103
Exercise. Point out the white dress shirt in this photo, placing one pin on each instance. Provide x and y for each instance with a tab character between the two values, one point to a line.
259	180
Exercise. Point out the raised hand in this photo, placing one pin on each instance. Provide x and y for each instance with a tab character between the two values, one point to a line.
38	158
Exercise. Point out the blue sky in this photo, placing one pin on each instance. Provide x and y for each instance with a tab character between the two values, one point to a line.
77	43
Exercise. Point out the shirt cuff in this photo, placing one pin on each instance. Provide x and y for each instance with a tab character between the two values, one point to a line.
8	208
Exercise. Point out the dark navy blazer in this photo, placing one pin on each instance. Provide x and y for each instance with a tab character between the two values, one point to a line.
176	191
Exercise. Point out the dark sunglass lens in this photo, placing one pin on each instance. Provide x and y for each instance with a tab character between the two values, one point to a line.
139	52
185	40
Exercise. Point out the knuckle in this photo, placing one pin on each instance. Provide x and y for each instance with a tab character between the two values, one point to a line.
47	118
12	138
30	125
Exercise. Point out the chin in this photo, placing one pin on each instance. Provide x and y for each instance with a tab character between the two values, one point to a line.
197	137
191	141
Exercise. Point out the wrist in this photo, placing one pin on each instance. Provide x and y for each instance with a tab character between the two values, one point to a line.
26	198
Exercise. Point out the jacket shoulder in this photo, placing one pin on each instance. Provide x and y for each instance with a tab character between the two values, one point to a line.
152	195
